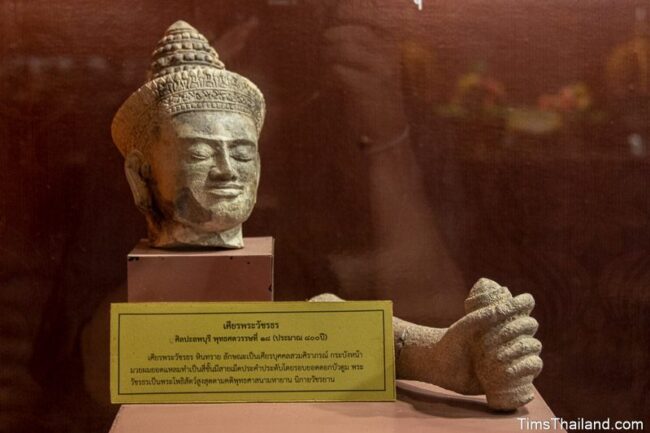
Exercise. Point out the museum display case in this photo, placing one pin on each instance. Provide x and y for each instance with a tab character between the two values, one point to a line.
392	150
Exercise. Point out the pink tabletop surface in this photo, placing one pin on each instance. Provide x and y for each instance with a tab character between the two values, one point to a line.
419	408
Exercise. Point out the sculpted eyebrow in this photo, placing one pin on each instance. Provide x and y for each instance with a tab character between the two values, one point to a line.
235	142
242	142
199	138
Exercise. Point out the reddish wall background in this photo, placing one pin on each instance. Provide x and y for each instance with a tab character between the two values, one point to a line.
544	194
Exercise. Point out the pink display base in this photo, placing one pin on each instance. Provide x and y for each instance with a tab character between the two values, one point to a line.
420	408
157	275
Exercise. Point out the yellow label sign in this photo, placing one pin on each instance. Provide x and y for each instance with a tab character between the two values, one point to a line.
252	351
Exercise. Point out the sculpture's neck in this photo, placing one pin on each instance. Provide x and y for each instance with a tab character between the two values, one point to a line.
175	235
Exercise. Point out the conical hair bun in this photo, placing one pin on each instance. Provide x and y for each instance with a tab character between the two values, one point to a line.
182	48
186	76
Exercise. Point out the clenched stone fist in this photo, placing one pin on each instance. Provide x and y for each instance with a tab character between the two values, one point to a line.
490	350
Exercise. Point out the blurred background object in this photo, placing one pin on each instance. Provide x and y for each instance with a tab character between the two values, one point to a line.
417	150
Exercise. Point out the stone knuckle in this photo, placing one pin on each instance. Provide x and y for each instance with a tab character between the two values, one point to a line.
535	346
528	366
526	325
511	331
540	366
524	302
511	352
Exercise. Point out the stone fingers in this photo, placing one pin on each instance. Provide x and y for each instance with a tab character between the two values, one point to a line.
523	367
510	330
512	371
519	305
517	348
486	317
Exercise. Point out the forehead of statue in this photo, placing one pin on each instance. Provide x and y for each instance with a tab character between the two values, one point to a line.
212	125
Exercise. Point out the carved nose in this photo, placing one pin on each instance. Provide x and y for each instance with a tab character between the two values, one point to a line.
222	170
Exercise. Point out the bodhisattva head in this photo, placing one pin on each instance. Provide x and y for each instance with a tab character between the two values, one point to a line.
189	139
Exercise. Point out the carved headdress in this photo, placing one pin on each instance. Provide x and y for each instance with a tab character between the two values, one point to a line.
185	75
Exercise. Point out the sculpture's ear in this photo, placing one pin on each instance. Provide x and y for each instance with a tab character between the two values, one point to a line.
137	173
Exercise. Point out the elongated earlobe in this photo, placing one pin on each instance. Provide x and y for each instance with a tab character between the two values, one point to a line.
137	171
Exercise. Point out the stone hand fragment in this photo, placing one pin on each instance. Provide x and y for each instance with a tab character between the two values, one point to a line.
491	350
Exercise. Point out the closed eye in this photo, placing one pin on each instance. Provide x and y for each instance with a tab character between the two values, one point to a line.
199	156
243	150
200	152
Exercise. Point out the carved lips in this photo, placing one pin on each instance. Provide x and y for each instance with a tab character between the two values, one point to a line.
226	190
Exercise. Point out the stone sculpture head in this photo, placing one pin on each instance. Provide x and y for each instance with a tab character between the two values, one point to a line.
189	140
